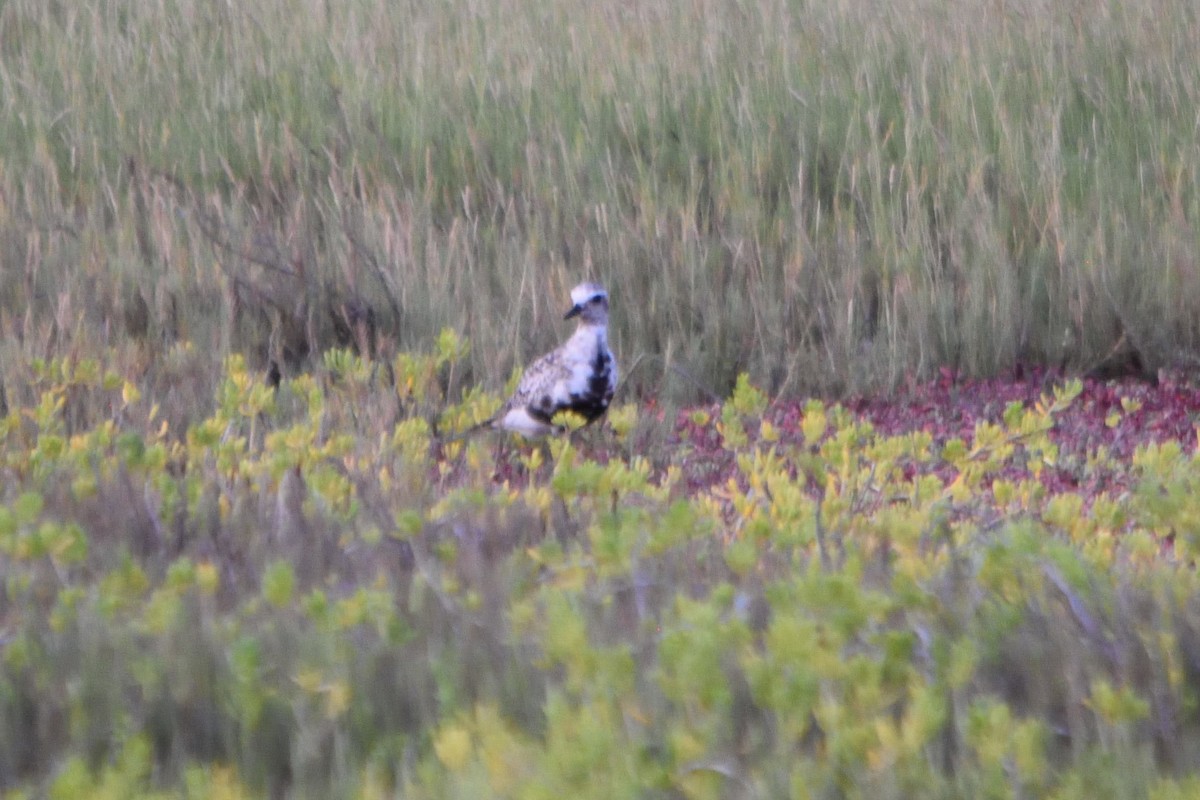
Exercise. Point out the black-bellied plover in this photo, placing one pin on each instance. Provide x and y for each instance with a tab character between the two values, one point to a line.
580	375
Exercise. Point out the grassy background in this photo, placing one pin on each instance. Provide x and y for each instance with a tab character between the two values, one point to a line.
831	196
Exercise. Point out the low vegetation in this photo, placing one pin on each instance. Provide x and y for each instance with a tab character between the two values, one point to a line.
312	594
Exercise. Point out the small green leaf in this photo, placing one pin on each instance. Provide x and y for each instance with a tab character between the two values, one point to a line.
279	580
28	507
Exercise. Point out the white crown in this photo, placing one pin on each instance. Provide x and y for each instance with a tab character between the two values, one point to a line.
586	291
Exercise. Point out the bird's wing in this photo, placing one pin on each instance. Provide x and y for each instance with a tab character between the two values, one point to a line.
542	387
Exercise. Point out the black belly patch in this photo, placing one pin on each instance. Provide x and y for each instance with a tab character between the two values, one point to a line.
593	401
543	409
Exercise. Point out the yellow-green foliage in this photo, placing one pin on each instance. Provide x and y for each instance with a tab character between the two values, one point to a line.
304	593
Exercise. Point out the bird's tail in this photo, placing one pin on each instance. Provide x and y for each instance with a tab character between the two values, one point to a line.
471	431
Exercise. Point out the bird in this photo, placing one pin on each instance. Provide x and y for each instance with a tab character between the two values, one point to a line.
580	375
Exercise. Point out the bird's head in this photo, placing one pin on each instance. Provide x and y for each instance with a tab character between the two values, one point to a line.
590	304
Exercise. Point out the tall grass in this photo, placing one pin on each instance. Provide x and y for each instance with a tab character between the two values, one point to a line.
831	196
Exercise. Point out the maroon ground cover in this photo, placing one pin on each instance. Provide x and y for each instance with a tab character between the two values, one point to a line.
1111	417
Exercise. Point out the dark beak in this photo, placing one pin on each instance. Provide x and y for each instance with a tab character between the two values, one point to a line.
574	312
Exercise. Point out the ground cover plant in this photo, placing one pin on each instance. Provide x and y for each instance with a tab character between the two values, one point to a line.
309	593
